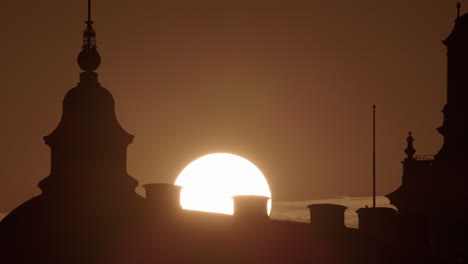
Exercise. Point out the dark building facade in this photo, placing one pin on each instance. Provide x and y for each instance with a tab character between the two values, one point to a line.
432	200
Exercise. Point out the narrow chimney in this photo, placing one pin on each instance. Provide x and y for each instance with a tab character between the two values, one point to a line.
327	217
251	207
163	197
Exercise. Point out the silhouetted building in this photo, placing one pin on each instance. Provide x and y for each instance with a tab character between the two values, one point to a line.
432	200
88	211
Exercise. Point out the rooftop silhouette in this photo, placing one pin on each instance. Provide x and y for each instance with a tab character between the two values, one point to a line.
88	210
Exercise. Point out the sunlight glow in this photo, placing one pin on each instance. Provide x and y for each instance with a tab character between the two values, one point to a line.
210	181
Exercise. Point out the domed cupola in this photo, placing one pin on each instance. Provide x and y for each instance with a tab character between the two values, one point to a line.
88	205
89	145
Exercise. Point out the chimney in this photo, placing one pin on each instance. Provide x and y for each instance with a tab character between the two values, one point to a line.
378	220
251	207
327	217
163	197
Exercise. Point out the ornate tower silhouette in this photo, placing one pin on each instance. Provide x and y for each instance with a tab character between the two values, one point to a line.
455	125
88	148
88	202
409	148
432	199
440	177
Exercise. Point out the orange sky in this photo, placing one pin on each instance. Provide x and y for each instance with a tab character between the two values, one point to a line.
288	85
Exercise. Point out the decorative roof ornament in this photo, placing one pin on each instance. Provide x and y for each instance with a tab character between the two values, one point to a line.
89	58
458	9
409	148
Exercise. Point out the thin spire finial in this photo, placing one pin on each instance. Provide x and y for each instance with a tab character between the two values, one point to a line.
89	36
89	58
89	10
409	146
458	9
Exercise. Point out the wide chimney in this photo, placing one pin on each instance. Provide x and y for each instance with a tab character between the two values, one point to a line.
328	217
377	220
251	207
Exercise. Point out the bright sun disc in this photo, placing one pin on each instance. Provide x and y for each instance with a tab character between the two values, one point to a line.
210	181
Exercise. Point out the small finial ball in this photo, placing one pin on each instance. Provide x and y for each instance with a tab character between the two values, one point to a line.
89	59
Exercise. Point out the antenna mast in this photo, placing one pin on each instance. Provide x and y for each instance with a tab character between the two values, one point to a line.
373	157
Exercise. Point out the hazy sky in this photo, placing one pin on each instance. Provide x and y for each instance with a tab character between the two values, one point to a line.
288	85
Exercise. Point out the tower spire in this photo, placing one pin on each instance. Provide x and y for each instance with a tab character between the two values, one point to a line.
458	9
89	10
89	35
89	59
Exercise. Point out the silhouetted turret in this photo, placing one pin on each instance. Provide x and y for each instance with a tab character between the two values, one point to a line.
411	164
409	148
88	147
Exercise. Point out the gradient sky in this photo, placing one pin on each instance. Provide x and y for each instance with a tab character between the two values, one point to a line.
288	85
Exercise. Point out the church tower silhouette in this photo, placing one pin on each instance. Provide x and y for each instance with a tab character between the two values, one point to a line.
88	200
89	147
455	125
432	200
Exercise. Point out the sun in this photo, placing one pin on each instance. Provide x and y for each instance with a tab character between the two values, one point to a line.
209	183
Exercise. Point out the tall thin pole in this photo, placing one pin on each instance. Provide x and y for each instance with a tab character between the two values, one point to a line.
373	158
89	10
